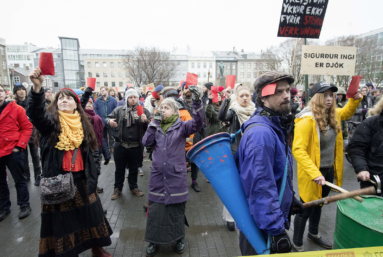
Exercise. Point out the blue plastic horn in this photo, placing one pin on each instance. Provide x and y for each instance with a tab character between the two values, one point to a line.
214	158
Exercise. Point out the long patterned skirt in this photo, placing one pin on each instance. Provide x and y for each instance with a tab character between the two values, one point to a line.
74	226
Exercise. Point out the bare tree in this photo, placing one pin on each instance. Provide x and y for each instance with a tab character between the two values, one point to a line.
150	65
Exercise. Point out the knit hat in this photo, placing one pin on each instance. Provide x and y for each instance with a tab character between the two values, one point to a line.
183	85
130	92
293	91
208	85
370	85
156	90
78	92
17	87
221	88
169	92
78	99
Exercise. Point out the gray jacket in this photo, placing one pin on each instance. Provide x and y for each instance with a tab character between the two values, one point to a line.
119	114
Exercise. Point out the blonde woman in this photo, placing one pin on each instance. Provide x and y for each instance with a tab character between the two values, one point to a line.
318	149
113	93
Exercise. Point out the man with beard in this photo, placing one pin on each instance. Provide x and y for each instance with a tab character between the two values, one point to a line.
187	98
266	164
21	99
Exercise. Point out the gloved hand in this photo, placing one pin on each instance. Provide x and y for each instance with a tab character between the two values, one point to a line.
364	110
158	115
88	91
196	94
297	206
280	243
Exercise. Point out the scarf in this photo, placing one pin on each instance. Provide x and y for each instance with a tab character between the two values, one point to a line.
166	124
98	126
105	105
243	113
131	115
71	134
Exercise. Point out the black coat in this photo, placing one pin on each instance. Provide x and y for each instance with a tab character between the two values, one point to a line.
366	146
51	157
228	115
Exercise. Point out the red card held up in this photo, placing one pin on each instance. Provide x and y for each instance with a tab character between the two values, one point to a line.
191	79
91	82
269	89
214	93
46	64
140	110
142	99
117	89
353	87
230	81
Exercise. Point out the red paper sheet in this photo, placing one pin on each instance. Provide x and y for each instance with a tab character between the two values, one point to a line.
130	85
230	81
46	64
353	87
117	89
191	79
214	93
269	89
91	82
142	99
155	95
140	110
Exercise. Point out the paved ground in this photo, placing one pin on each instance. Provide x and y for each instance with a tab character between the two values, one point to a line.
206	236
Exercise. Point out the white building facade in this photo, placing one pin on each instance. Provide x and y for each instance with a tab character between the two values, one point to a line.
201	63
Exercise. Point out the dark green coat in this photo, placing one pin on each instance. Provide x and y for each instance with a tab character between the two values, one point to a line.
215	125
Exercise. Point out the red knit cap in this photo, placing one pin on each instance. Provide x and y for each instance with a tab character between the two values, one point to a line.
221	88
78	99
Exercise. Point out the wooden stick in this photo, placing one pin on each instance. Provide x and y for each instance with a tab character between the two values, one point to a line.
295	51
330	199
358	198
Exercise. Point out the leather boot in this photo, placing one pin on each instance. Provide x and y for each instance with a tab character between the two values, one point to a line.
100	252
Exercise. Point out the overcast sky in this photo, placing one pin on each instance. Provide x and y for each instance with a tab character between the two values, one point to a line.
204	25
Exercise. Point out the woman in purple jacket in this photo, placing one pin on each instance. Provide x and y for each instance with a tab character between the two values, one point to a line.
168	188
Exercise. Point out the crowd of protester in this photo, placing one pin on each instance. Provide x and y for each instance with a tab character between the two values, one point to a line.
73	130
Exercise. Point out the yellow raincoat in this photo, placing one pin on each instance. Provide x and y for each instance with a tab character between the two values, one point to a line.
306	150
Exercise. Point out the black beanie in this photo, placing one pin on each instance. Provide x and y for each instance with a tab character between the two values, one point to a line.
209	85
17	87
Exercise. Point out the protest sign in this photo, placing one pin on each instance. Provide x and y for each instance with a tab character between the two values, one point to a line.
91	82
140	110
353	87
230	81
214	93
328	60
302	18
46	64
191	79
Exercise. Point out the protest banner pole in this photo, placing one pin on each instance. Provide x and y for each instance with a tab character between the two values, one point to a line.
306	84
295	52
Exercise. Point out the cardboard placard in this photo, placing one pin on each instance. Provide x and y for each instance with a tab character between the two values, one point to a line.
328	60
302	19
91	82
191	79
46	64
230	81
269	89
140	110
353	87
214	93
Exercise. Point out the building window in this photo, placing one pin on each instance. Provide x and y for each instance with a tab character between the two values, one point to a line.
249	75
120	84
127	75
233	66
192	65
111	64
198	65
127	64
105	74
98	84
16	79
0	80
113	84
104	65
105	84
210	65
113	74
249	65
89	65
204	64
2	50
198	74
89	74
5	80
97	64
241	66
120	74
119	64
242	75
97	74
261	66
204	74
255	74
4	66
211	75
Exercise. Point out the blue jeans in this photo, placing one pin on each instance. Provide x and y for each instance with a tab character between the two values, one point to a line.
15	164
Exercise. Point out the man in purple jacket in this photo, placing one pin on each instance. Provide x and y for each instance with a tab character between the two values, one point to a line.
168	187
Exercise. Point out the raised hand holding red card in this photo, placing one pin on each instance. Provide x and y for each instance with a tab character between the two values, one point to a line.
353	87
214	93
46	64
140	110
91	82
191	79
230	81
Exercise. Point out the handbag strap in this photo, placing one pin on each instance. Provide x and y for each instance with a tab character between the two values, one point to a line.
73	159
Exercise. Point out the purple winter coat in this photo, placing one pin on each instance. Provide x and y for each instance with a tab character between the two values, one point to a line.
168	178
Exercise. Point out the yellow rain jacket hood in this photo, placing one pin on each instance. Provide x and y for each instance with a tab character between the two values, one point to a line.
306	150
